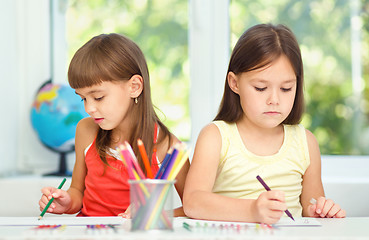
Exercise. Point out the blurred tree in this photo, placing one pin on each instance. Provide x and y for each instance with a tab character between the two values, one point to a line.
321	26
162	36
323	30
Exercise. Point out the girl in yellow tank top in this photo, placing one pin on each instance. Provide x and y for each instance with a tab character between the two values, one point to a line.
257	132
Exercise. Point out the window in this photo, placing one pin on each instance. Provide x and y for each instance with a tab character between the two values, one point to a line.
334	44
161	35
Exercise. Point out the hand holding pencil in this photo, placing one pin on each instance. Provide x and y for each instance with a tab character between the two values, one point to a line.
54	200
270	205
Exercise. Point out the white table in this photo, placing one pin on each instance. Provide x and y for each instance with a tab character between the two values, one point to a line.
348	228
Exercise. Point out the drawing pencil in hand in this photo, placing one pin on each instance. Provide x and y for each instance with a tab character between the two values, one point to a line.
51	200
268	189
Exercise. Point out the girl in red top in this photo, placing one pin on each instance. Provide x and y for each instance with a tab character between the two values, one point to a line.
110	74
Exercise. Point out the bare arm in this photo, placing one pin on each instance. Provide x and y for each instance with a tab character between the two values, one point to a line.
85	134
199	200
312	186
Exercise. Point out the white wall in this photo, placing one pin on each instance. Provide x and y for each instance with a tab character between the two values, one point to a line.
25	65
346	181
8	84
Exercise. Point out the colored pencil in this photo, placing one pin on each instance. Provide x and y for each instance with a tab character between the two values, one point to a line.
164	164
127	160
173	174
134	160
268	189
150	213
187	226
145	159
51	200
170	164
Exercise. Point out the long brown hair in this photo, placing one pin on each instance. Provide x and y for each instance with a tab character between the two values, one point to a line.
259	46
114	57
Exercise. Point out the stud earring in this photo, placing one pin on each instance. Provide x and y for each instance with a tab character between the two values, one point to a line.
136	101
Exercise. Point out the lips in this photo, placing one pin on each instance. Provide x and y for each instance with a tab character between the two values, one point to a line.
272	113
98	120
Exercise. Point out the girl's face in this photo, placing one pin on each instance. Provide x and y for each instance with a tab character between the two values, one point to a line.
267	94
107	103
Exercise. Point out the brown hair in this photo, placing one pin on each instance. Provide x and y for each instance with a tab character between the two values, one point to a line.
259	46
113	57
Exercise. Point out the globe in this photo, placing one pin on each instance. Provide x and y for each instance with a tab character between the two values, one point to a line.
55	113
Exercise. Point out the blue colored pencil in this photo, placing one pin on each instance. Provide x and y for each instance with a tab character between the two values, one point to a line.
163	164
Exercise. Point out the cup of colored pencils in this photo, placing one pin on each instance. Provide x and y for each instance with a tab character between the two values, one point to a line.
151	198
151	204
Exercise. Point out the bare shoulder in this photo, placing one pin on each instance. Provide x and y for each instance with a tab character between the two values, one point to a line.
311	139
86	132
313	146
210	130
208	144
205	161
209	138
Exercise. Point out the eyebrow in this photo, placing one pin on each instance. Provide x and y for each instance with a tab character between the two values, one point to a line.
90	92
265	81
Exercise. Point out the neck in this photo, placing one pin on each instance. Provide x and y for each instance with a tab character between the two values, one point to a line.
256	130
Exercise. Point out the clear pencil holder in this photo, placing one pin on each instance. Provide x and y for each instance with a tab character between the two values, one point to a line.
151	204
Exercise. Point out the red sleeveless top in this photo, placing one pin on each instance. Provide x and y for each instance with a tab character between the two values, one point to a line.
107	188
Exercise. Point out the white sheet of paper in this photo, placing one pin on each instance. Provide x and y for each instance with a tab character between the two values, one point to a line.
299	222
283	222
69	221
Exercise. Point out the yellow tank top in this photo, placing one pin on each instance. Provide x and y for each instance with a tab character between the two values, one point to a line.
238	167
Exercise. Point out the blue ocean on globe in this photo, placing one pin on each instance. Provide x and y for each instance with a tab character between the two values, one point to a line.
55	113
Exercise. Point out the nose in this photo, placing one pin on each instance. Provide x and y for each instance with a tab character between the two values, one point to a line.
89	108
273	98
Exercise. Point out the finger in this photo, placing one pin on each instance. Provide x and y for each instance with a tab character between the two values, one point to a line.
333	211
341	214
43	205
276	195
43	201
320	205
272	219
312	210
124	215
58	193
47	190
276	205
327	207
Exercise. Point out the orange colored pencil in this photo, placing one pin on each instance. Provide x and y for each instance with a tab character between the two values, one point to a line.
145	159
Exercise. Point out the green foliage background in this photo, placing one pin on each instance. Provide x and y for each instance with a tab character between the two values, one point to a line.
337	118
160	30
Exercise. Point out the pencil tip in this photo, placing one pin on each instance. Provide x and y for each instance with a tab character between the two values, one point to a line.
39	218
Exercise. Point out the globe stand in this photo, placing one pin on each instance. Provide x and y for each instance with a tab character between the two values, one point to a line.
63	169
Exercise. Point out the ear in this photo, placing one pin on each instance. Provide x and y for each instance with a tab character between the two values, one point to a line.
136	86
233	82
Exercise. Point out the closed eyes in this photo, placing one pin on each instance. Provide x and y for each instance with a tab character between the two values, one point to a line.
264	88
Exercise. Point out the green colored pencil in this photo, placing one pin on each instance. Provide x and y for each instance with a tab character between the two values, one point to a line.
187	226
51	200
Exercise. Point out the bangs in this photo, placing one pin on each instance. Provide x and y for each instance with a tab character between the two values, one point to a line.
265	61
92	65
